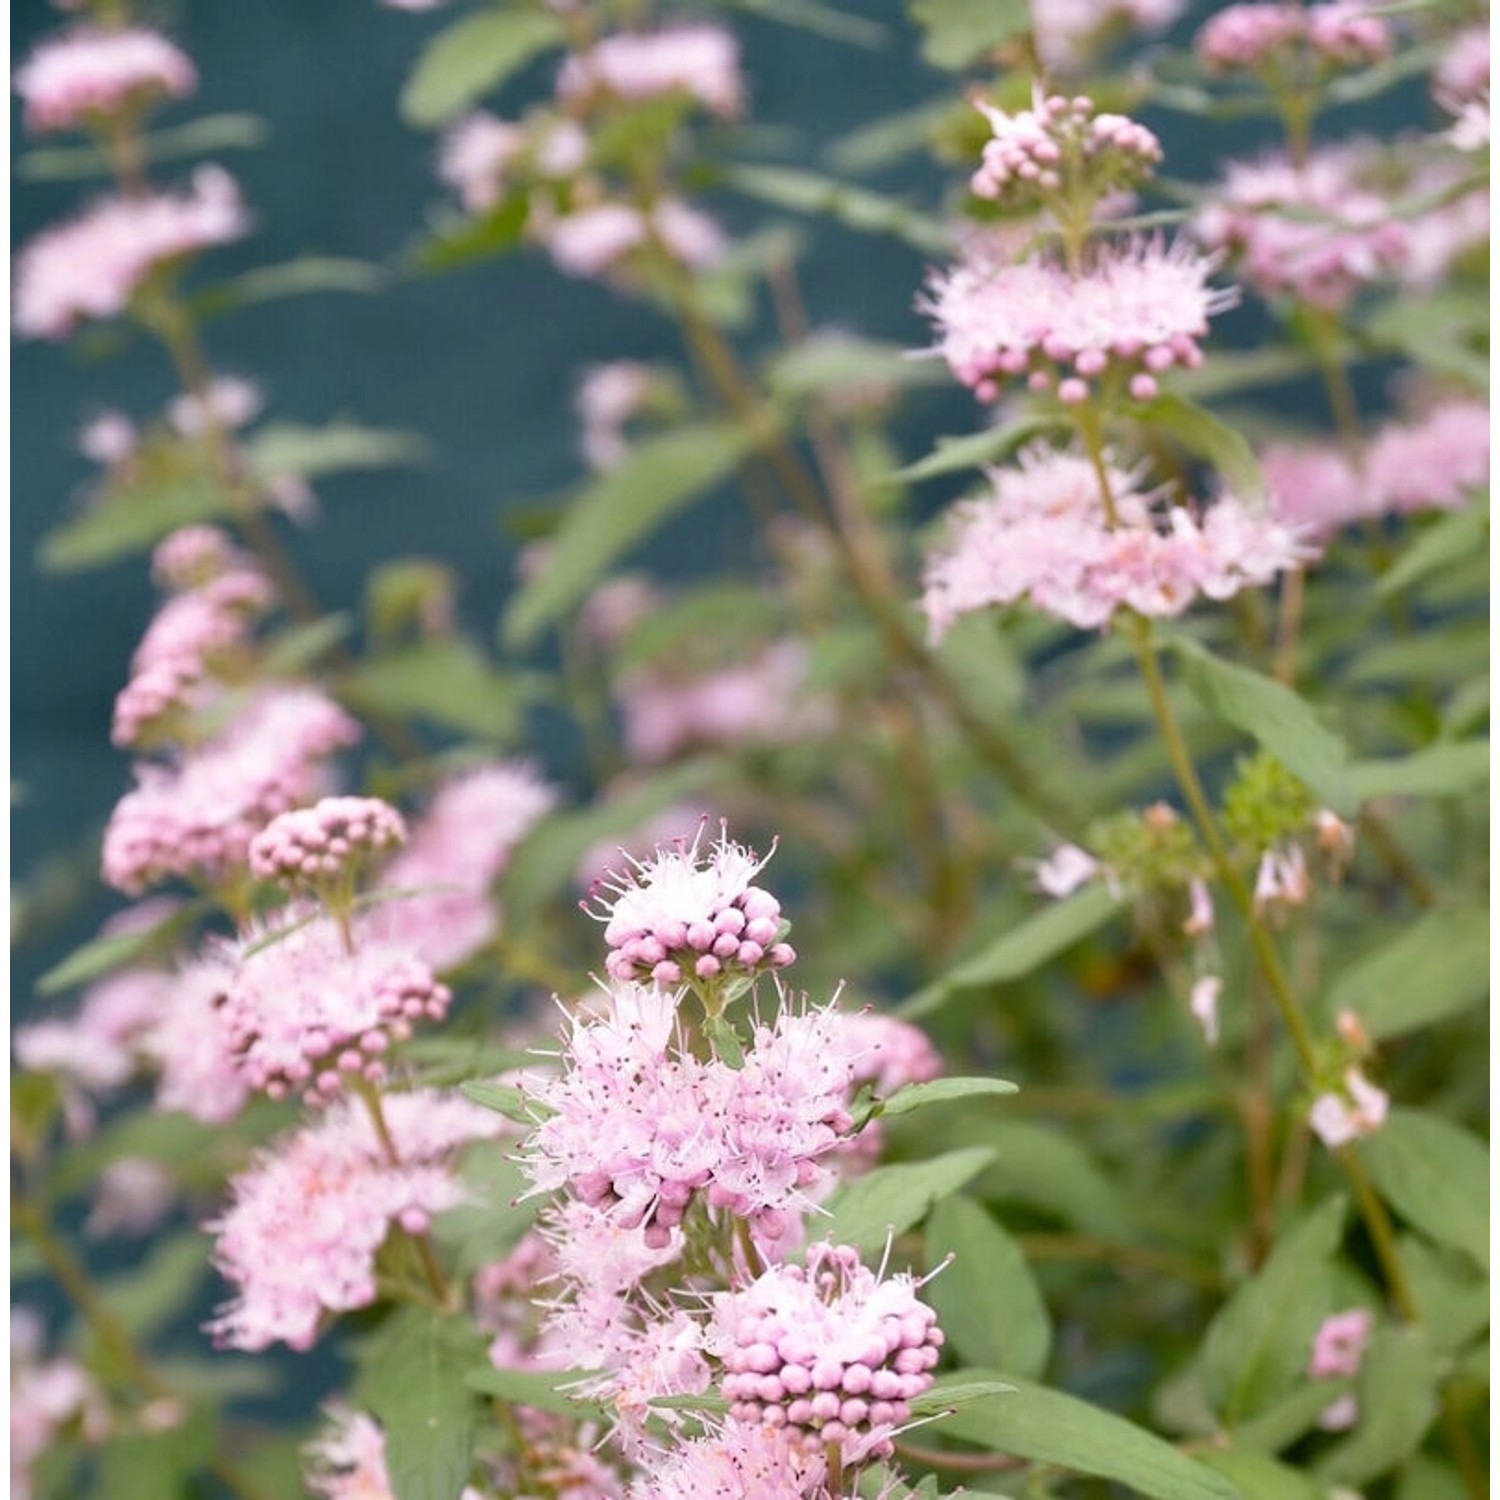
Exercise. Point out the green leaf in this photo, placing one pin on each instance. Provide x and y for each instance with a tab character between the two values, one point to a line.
293	652
617	510
211	133
1021	950
1257	1346
131	519
1046	1168
726	1043
146	1298
495	1217
1274	716
1443	770
413	1380
1452	539
1452	1297
974	450
959	33
883	143
821	20
1232	371
291	448
706	1402
842	363
1447	332
1435	1174
941	1091
465	241
1427	1478
300	277
444	680
804	192
1049	1427
892	1199
1289	1417
1437	967
472	58
987	1299
1258	1476
537	1389
1202	433
954	1394
114	950
1397	1403
134	1465
505	1099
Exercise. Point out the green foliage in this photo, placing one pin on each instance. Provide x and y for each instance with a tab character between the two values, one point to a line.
1205	436
957	34
473	57
445	681
336	448
201	137
1265	805
1397	1389
955	454
866	1211
806	192
1447	1203
134	516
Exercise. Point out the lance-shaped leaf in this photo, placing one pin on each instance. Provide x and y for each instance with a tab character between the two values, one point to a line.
338	447
1204	434
808	193
958	33
472	57
891	1199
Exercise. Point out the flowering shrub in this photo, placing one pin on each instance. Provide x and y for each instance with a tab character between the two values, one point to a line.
1136	761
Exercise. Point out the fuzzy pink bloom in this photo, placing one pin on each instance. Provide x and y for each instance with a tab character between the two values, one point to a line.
89	73
1066	31
310	846
474	157
674	825
1252	37
886	1053
834	1354
1282	879
1031	154
1139	311
196	818
190	1045
1317	231
682	912
1462	74
194	555
206	621
90	266
607	398
108	439
1203	1002
1200	918
735	1461
1314	486
1359	1110
302	1012
1339	1344
1067	869
700	62
45	1397
300	1237
133	1196
453	855
1043	537
229	402
592	241
97	1049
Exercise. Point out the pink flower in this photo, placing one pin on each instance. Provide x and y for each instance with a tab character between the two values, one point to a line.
1282	879
1462	74
302	1012
700	62
96	1049
1137	312
682	913
673	826
88	74
1255	37
227	403
1359	1110
1203	1002
196	818
1435	462
607	398
1067	869
194	555
1339	1344
109	439
1065	31
474	156
45	1396
833	1354
190	1044
311	847
307	1218
592	241
133	1196
737	1461
91	266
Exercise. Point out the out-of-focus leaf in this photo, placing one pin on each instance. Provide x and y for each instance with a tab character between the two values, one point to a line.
890	140
1274	716
1049	1427
503	1098
835	364
445	681
464	241
1444	770
986	1299
1437	967
1202	433
293	651
290	448
147	1297
302	277
495	1218
1021	949
473	57
1285	1420
212	133
972	451
958	33
616	510
1452	539
1257	1346
1397	1389
1446	332
1258	1476
892	1199
413	1378
1436	1175
822	20
1452	1297
1232	371
1427	1478
1430	658
806	192
114	950
131	519
135	1465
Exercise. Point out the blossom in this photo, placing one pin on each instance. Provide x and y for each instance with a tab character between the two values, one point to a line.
1337	1352
109	438
1136	312
347	1459
96	1049
1359	1109
832	1353
133	1196
227	402
1065	870
591	241
190	1044
699	62
1462	73
474	156
1043	536
311	846
302	1011
680	912
1339	34
45	1396
607	397
1203	1002
1064	31
194	555
306	1219
196	818
1282	879
91	266
735	1461
89	72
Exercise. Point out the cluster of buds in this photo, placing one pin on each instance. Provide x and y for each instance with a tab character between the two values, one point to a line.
323	846
1255	38
1061	146
831	1350
90	74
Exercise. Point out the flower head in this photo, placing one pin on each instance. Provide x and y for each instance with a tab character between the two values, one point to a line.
1359	1109
89	74
1338	34
735	1460
699	62
310	847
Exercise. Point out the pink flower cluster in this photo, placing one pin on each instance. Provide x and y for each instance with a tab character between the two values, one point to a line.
1338	1351
736	1460
452	857
1432	462
91	266
639	1128
479	153
1357	1109
191	1046
607	398
46	1395
1043	536
593	240
311	846
1136	312
347	1461
699	62
681	913
300	1238
88	74
1058	141
831	1352
303	1012
1340	34
195	818
1066	31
